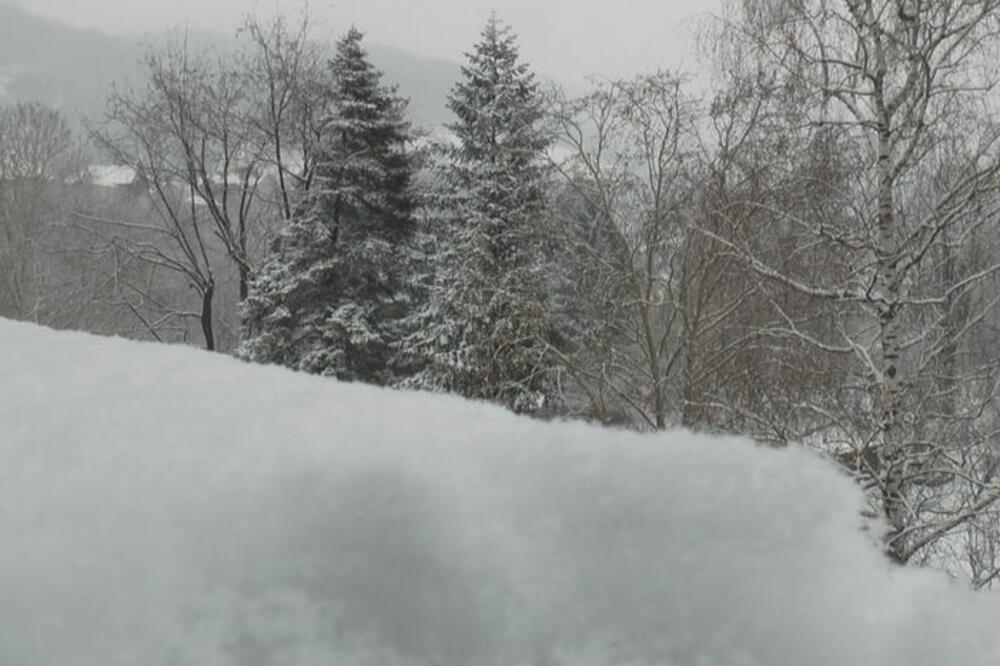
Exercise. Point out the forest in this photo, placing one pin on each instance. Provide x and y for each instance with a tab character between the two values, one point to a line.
801	250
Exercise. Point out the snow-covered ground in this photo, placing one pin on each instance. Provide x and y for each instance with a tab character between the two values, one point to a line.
160	506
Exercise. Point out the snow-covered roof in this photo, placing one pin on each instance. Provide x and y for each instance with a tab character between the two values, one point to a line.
106	175
161	505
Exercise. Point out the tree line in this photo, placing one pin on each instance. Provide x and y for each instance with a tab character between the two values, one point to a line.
804	253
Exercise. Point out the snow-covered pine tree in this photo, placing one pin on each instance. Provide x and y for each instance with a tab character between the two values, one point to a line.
489	320
328	298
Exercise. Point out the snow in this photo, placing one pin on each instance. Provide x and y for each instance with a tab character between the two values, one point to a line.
164	506
109	175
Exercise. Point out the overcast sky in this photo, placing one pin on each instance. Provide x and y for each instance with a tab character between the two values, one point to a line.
561	38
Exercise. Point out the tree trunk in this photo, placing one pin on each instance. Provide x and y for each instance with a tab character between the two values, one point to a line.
207	326
286	204
690	417
657	397
891	385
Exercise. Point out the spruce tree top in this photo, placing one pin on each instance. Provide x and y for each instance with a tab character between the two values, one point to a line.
497	103
361	101
363	156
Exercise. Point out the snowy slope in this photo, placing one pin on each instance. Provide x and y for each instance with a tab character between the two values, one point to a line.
161	506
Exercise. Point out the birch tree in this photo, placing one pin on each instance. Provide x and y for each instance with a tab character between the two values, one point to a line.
903	88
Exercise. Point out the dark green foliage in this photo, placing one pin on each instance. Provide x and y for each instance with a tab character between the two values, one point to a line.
330	297
488	330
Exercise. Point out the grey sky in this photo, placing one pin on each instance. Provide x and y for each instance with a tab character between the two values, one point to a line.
561	38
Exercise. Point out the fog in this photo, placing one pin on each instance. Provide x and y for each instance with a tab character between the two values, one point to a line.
563	39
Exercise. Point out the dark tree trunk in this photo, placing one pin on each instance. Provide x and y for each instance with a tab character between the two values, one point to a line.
207	326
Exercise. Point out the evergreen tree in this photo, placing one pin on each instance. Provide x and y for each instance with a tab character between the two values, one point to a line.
489	320
329	297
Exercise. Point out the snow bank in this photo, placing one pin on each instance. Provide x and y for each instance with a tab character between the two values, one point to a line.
161	506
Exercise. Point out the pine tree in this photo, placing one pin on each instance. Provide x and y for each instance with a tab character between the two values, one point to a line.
489	320
329	296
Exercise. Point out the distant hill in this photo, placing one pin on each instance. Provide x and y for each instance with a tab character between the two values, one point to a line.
426	81
72	69
68	68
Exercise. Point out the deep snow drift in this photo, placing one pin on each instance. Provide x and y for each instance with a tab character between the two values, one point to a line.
161	506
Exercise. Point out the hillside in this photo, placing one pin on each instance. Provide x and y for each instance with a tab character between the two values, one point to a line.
68	68
167	506
72	69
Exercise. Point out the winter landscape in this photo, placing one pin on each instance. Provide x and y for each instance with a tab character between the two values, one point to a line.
463	333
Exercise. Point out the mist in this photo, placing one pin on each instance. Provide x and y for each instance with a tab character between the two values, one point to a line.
564	39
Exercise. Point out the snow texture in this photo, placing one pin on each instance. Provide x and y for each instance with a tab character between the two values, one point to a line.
167	507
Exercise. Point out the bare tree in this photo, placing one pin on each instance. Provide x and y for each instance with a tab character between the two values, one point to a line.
628	156
203	146
898	92
286	70
183	152
40	164
223	143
